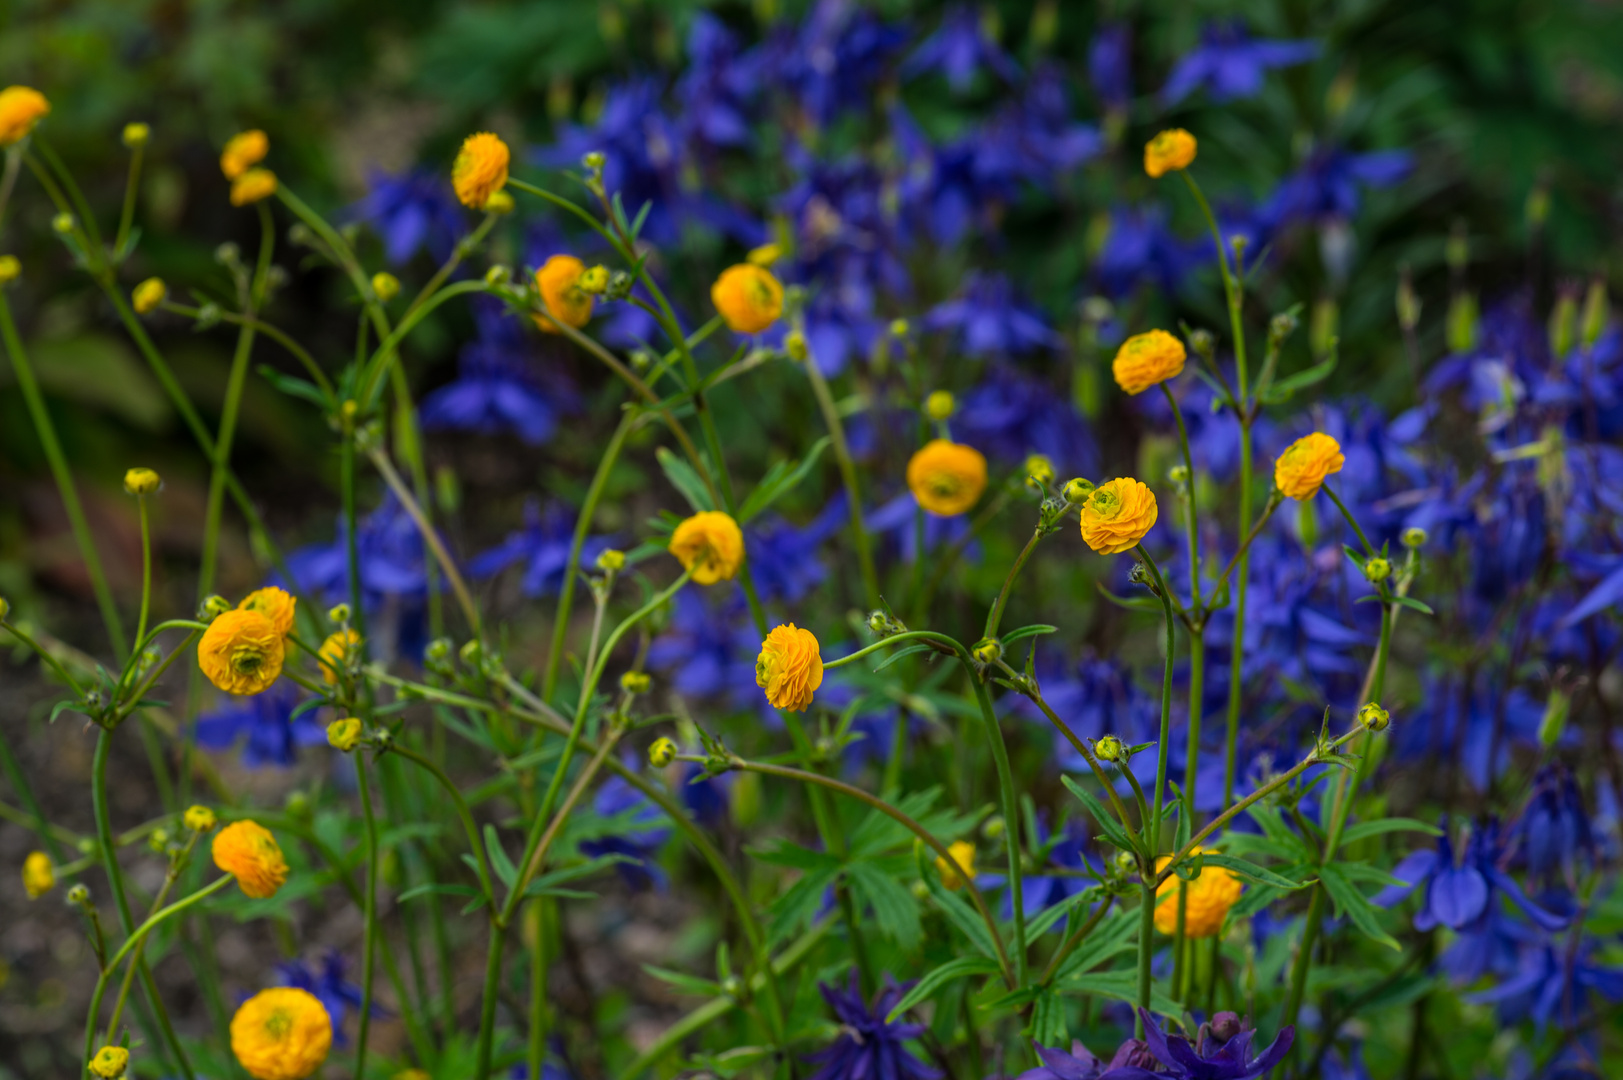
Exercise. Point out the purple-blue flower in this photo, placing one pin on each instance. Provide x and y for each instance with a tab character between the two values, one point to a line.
1228	64
1222	1050
498	388
411	211
636	830
959	49
987	320
542	547
274	734
326	981
869	1047
1460	894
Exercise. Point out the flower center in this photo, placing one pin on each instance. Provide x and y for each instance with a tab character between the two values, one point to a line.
943	485
246	660
1106	504
278	1024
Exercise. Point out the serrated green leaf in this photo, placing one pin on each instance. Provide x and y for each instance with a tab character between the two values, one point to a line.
956	909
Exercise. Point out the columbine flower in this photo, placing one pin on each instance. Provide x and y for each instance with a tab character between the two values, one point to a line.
543	548
328	985
1080	1064
558	282
634	828
410	211
480	169
1555	829
148	295
1301	469
963	853
281	1034
958	49
274	733
790	667
1170	151
21	107
1117	515
499	387
710	546
1230	65
989	320
248	852
242	152
39	877
947	478
1552	985
333	656
748	297
275	604
252	186
110	1062
869	1047
1210	897
1460	896
1223	1051
241	652
1146	359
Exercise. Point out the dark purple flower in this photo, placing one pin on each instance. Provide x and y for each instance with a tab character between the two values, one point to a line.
709	648
958	49
784	559
718	87
1013	414
869	1047
498	387
274	734
1080	1064
1554	830
1223	1053
989	321
1230	65
833	61
542	546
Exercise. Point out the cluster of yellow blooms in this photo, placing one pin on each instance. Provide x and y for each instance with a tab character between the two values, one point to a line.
242	153
243	651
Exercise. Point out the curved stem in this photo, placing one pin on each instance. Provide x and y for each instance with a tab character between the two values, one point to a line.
460	804
848	476
370	912
146	581
430	535
995	615
1369	549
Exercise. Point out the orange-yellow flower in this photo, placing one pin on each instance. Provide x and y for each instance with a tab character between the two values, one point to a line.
333	656
273	603
1117	515
251	186
1146	359
241	652
946	478
963	853
21	107
281	1034
748	297
789	668
710	546
1210	897
242	152
558	282
39	877
480	169
248	852
1169	151
1301	469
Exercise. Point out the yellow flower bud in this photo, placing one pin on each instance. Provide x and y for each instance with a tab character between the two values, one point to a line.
794	344
158	839
21	107
1377	570
661	753
252	186
10	269
338	613
39	877
1110	748
199	819
987	650
635	682
385	285
710	545
1415	537
1371	717
334	654
142	482
595	280
1077	490
110	1062
611	559
500	202
215	606
62	224
940	405
748	298
1039	471
344	734
963	855
1169	151
899	328
148	295
946	478
242	152
5	608
136	135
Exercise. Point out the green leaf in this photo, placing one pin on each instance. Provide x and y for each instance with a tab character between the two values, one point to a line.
1033	630
439	890
956	909
685	984
498	857
800	903
900	654
1285	388
1123	986
1112	937
1053	913
1347	898
779	480
1096	810
685	480
1250	871
1047	1026
1411	602
895	910
1365	829
293	387
1137	603
796	857
964	967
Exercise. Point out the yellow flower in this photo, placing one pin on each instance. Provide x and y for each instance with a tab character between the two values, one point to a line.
748	297
281	1034
136	134
273	603
110	1062
199	819
248	852
1146	359
946	478
142	481
344	734
241	652
963	853
1117	515
480	169
1301	469
411	1074
558	282
20	109
940	405
710	546
385	285
39	877
149	294
1210	897
251	186
789	668
10	268
242	152
1168	152
334	653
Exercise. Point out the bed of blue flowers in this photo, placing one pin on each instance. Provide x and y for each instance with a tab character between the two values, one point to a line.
941	557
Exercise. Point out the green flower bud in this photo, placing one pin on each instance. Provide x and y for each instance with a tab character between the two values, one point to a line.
1373	718
1415	537
987	650
213	608
1076	491
1110	748
1377	570
635	682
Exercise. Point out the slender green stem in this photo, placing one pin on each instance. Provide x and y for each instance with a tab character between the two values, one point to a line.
848	475
50	661
995	615
487	1007
369	937
132	185
1011	818
146	580
431	537
464	814
1146	947
276	334
169	880
1369	549
1192	517
1070	944
1161	750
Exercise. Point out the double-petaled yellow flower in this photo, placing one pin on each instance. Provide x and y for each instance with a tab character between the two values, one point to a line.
480	169
1210	897
790	667
710	546
273	603
241	652
281	1034
946	478
963	853
251	186
110	1062
21	107
748	297
39	877
1146	359
248	852
558	282
1117	515
1301	469
242	152
333	656
1169	151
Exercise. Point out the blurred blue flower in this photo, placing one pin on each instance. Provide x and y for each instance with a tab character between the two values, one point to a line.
274	735
1139	249
1110	64
1553	983
718	87
1046	885
784	559
542	546
831	63
411	211
959	49
986	320
636	831
1554	830
1228	64
498	388
1460	894
1013	414
709	648
327	983
896	523
869	1047
1327	186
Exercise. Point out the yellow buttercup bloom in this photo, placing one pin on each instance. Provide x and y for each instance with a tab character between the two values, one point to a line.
789	668
251	186
39	877
558	282
241	652
273	603
248	852
710	546
1301	469
242	152
282	1033
110	1062
1168	152
748	297
963	853
946	478
142	481
148	295
344	734
334	653
1117	515
1146	359
198	819
1210	897
480	169
21	107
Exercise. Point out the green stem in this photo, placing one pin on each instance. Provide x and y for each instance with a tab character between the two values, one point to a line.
1166	701
431	537
995	615
1369	549
1011	818
370	933
146	581
1192	519
1146	947
132	185
848	475
464	814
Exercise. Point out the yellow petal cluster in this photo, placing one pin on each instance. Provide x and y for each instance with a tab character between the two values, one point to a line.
1301	469
946	478
710	546
248	852
334	654
748	297
242	152
251	186
39	877
281	1034
1169	151
1117	515
139	481
558	282
199	819
963	853
21	107
344	734
789	668
273	603
1146	359
110	1062
480	169
241	652
1210	897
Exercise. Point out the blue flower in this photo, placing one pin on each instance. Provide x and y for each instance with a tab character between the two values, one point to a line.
412	211
1554	829
498	388
709	649
1460	895
897	522
1327	186
1110	64
869	1047
988	321
328	985
718	87
1223	1051
959	49
274	735
784	560
542	546
1229	65
1552	984
1013	414
832	63
634	829
1041	890
1080	1064
1139	249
